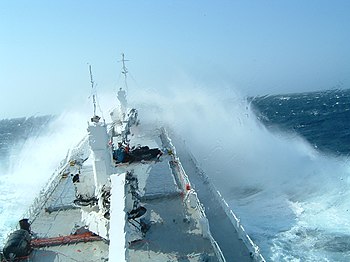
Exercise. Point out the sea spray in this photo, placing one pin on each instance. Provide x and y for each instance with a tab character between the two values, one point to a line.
34	164
285	192
276	182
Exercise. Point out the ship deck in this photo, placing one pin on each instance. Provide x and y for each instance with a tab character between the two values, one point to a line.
175	232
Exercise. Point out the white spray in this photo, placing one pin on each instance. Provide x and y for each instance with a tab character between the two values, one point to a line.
34	164
273	181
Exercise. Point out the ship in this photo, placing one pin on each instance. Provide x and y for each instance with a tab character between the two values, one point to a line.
126	193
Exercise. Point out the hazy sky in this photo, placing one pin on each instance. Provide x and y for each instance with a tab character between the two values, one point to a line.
258	47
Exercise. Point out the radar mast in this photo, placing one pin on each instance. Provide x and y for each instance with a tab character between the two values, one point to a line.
122	93
94	118
124	71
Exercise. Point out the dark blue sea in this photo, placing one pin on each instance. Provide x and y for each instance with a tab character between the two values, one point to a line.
286	174
323	118
14	132
317	188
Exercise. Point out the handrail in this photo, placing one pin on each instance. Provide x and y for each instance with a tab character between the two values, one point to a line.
41	199
235	221
186	189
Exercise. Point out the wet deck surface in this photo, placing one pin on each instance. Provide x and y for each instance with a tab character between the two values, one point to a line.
174	235
63	223
221	227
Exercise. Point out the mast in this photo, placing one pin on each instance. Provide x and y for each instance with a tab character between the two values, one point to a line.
94	118
92	88
124	71
121	95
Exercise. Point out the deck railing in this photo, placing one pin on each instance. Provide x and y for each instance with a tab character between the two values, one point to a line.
235	221
81	151
185	186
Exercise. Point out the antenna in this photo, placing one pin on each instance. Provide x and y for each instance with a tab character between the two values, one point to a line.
124	70
92	88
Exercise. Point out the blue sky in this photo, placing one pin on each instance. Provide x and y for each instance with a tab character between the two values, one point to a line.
257	47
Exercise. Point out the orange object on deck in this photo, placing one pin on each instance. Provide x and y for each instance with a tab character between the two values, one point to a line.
64	240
